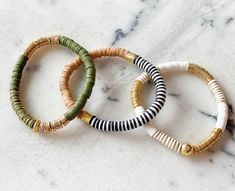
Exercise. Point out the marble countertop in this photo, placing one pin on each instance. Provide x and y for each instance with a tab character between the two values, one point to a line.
82	158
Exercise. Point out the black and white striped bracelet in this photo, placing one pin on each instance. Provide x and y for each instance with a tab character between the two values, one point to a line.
125	125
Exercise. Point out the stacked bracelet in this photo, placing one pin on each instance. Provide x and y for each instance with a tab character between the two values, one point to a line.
184	148
142	116
105	125
78	105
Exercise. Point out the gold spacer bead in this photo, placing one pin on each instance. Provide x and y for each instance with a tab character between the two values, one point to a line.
186	149
130	57
36	126
85	116
200	72
217	131
135	93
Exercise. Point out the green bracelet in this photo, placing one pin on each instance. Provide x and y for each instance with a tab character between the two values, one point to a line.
79	104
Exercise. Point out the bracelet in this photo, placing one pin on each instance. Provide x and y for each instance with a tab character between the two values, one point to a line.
17	105
184	148
105	125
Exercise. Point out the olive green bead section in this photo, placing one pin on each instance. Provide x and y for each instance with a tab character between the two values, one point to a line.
15	95
90	76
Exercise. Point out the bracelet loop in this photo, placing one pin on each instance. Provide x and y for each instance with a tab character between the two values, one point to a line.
105	125
17	105
163	138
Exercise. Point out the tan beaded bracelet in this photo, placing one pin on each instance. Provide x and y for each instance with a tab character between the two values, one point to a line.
160	136
124	125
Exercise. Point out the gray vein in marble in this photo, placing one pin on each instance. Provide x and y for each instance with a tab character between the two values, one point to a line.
120	34
211	161
174	94
105	89
32	68
42	173
207	114
230	126
228	152
113	99
122	68
52	183
172	183
229	20
230	107
18	42
209	22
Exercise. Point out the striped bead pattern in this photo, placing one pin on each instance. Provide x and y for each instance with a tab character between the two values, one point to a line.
157	134
149	114
164	139
216	90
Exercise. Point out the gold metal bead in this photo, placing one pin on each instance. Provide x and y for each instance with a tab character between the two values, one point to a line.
36	126
200	72
217	131
85	116
186	149
135	93
208	142
130	57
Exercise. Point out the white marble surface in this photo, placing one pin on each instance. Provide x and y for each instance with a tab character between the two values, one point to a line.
82	158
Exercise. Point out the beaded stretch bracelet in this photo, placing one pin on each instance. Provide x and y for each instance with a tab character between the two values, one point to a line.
17	105
184	148
117	125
